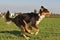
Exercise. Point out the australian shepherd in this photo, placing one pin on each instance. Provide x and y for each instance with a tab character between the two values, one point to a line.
31	19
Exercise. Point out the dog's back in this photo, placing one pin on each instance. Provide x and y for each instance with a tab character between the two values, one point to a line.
28	17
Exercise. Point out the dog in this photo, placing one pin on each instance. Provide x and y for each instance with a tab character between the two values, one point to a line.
22	20
31	19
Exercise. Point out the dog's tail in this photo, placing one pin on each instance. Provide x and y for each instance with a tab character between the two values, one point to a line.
7	16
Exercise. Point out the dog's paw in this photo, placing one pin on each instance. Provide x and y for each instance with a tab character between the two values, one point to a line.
36	33
32	33
27	38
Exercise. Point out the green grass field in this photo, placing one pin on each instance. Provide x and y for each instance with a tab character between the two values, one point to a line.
49	30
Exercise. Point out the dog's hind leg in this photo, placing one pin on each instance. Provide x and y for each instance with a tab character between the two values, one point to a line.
23	32
26	27
21	24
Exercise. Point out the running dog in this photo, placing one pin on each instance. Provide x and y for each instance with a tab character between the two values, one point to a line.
31	19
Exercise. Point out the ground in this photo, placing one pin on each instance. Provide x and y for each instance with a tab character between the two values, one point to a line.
49	30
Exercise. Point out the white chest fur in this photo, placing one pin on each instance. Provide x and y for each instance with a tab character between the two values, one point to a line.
41	17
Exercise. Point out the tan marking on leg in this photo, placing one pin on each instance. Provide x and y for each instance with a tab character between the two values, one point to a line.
23	33
27	38
29	31
37	30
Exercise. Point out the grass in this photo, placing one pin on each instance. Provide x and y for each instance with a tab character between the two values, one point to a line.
49	30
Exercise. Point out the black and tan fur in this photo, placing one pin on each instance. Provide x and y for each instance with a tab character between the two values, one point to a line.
22	20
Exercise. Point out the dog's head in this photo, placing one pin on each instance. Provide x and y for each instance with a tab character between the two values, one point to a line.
44	11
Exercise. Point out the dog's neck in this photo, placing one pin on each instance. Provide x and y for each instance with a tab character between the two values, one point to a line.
41	17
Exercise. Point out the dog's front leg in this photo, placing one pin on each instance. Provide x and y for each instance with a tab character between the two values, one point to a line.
35	28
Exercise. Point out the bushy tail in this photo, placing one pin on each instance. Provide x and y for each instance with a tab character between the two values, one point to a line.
7	16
